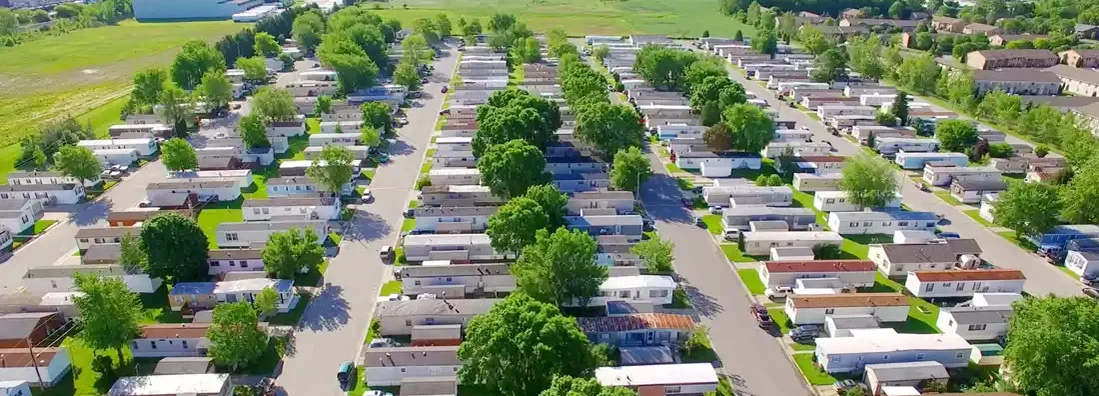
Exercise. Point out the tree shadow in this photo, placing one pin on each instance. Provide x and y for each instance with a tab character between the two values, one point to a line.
367	227
92	213
704	304
663	199
328	311
401	148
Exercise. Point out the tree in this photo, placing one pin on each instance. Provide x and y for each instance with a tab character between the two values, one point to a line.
559	268
813	39
216	89
829	66
765	42
110	313
885	119
274	104
176	248
869	181
738	36
718	137
865	56
568	386
1053	342
955	135
307	30
1000	150
630	169
513	226
601	51
774	180
148	84
1028	208
235	337
370	136
255	68
324	106
656	252
698	339
416	49
520	345
131	257
528	50
1041	150
77	162
509	169
552	201
754	13
610	128
178	155
918	72
193	62
515	114
407	75
266	302
377	115
442	25
291	252
353	67
751	128
1081	196
175	107
897	10
31	151
899	109
333	169
266	45
253	131
711	114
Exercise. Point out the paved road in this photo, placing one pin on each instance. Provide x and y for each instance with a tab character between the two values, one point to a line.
58	243
752	358
1042	278
335	323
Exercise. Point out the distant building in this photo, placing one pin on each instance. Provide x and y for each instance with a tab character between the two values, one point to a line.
201	9
1011	58
1078	81
1017	81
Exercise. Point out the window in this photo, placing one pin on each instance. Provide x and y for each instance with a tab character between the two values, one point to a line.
867	224
215	263
232	236
977	327
658	293
961	286
919	356
853	224
830	200
134	344
255	210
829	311
930	224
946	284
244	264
624	294
834	359
902	223
958	355
885	357
887	223
417	282
671	389
152	344
402	369
184	344
408	322
266	211
929	287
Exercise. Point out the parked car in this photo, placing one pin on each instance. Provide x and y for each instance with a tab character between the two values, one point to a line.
759	312
346	373
699	222
778	292
386	254
716	209
445	89
949	235
804	333
410	213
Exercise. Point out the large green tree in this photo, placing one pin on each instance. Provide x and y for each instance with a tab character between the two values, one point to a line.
110	313
178	155
274	104
253	131
751	128
509	169
216	89
610	128
148	84
307	30
631	168
354	67
196	58
829	67
78	162
235	337
176	105
514	225
379	115
1054	350
1081	195
518	346
552	201
865	56
559	268
266	45
869	181
255	68
1028	208
407	75
176	248
332	169
291	252
564	385
899	108
656	252
955	135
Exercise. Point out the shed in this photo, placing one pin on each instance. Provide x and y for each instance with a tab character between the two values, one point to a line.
645	355
904	374
841	325
792	254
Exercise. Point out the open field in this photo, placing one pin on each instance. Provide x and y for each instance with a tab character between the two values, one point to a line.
680	18
75	73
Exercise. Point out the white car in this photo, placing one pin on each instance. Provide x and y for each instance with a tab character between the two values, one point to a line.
778	292
732	235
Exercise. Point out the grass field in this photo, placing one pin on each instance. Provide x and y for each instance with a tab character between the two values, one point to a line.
75	73
750	277
680	18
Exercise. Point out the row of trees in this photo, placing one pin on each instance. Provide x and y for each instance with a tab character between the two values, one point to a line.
67	18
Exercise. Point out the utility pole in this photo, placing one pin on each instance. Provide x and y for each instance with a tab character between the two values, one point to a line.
34	361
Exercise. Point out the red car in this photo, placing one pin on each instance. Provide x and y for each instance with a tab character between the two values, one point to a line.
759	312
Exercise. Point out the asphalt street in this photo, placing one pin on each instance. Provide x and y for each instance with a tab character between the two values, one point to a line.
1042	278
335	324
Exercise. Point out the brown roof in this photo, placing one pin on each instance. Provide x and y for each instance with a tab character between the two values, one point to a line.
820	266
20	357
643	321
109	232
1017	53
966	275
1087	53
1089	76
1016	75
980	27
944	19
849	300
174	330
822	158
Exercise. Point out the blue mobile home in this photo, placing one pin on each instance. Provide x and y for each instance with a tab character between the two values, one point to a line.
1055	239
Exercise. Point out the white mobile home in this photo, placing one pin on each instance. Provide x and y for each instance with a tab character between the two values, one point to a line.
349	127
761	242
963	283
739	218
17	215
672	379
458	248
222	190
241	177
916	160
335	139
846	223
643	289
47	177
150	129
455	280
944	175
975	323
49	194
856	273
395	366
453	219
302	208
866	347
745	194
719	164
896	259
799	148
357	152
256	233
817	182
59	278
836	201
116	156
145	147
881	377
842	110
813	309
454	176
841	325
893	145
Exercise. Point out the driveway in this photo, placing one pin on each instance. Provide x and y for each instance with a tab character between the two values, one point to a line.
1042	278
755	362
58	243
335	324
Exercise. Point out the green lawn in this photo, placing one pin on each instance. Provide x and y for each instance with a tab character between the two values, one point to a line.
157	309
91	69
797	347
82	380
312	278
391	287
858	245
217	213
683	18
921	314
805	200
294	316
408	225
40	226
733	253
750	277
975	214
713	223
684	183
814	375
945	196
673	168
778	315
1014	238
